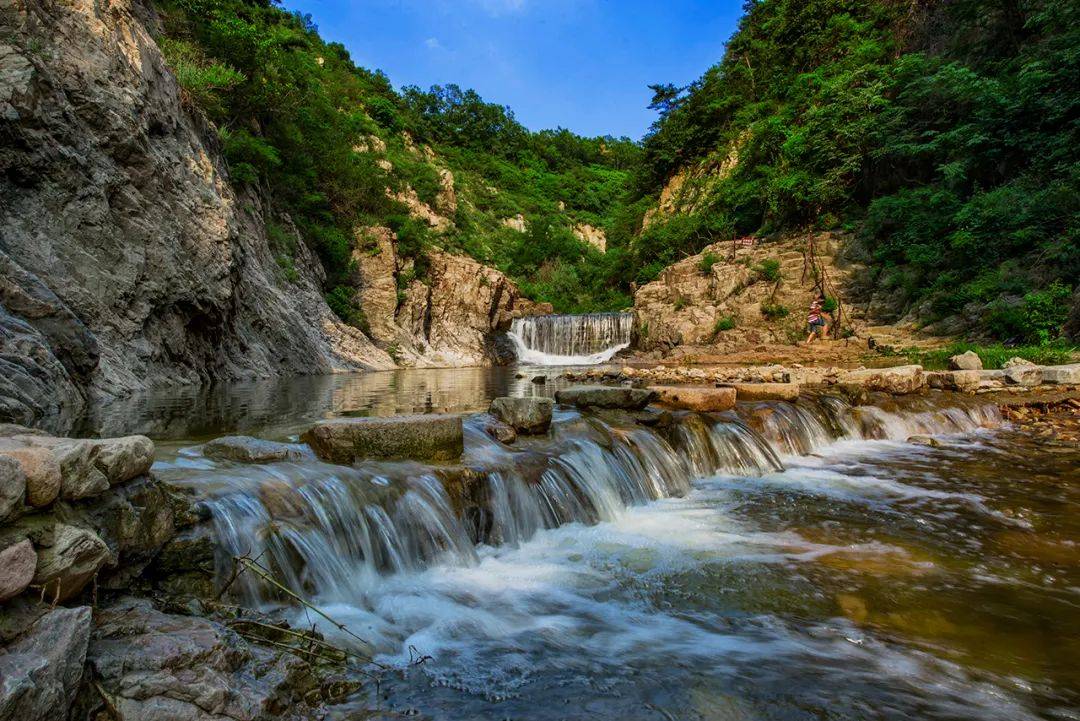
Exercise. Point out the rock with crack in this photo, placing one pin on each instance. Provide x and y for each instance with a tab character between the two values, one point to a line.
606	397
40	672
525	415
431	437
245	449
69	562
153	666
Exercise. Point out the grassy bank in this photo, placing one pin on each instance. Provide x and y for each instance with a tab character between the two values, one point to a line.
995	356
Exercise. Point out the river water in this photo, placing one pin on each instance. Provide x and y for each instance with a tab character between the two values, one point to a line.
783	561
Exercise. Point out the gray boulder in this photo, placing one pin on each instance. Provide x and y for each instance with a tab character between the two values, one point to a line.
525	415
966	361
73	558
1023	375
621	397
17	564
430	437
41	671
245	449
899	380
12	487
1062	375
135	520
154	666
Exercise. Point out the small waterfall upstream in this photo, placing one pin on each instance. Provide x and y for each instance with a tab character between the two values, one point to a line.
331	532
585	339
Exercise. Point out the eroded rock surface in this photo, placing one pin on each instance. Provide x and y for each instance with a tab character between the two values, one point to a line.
40	672
156	666
126	259
434	436
524	415
451	316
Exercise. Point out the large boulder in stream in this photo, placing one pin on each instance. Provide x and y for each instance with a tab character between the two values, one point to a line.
899	380
620	397
245	449
1062	375
524	415
696	398
40	671
966	361
429	437
765	391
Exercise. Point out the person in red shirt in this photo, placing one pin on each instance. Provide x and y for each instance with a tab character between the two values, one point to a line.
815	319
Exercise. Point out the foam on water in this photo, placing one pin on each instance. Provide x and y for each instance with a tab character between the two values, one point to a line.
569	573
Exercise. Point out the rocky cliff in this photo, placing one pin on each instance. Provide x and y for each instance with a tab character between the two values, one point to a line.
732	296
128	260
447	315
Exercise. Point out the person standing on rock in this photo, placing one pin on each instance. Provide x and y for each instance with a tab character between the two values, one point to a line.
815	319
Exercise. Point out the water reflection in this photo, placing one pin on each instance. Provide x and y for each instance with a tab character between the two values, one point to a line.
280	407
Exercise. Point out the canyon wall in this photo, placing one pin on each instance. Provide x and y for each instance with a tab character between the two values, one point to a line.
128	260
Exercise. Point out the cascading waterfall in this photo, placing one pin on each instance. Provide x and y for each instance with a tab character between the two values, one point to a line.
570	339
330	532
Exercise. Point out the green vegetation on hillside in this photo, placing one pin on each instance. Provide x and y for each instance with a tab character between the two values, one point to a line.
945	134
296	117
942	135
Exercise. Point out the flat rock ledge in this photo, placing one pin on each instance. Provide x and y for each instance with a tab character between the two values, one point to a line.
695	398
622	398
427	437
524	415
765	391
245	449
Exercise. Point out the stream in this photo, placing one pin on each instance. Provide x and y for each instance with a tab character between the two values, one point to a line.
779	561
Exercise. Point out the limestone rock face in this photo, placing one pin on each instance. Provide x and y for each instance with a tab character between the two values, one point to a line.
436	437
696	398
517	223
766	391
126	258
685	305
449	317
596	237
41	470
41	671
12	487
1062	375
245	449
900	380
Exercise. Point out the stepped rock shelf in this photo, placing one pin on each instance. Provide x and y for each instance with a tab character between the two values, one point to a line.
87	521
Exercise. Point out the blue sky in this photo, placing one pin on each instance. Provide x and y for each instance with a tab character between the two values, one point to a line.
580	64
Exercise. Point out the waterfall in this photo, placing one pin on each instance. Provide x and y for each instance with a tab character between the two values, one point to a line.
330	532
570	339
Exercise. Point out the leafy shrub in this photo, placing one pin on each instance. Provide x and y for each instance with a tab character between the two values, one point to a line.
773	311
708	260
768	269
830	305
342	300
203	81
722	324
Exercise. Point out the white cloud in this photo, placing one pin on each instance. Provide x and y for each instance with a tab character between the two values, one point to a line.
433	44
